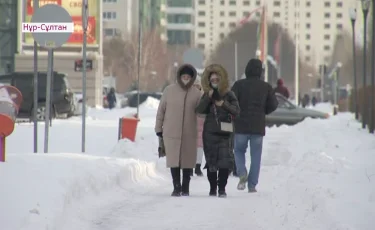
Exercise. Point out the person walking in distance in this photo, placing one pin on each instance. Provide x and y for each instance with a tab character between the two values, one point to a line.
256	99
176	122
282	89
200	122
220	106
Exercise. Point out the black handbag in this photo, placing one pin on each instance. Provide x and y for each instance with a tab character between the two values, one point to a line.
225	124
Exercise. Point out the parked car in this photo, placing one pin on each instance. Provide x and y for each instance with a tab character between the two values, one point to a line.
61	93
78	105
133	97
288	113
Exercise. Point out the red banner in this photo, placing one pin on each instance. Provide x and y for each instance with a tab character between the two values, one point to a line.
30	7
77	35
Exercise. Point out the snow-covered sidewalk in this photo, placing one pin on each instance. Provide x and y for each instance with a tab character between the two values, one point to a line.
319	174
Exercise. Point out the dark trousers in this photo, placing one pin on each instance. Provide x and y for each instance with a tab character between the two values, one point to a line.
176	178
218	179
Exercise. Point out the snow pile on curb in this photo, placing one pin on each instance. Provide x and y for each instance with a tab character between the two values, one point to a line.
37	189
150	103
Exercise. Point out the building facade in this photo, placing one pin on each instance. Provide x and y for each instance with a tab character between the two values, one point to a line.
318	22
180	24
120	17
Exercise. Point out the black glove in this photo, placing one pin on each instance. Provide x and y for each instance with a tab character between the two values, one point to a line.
159	134
216	95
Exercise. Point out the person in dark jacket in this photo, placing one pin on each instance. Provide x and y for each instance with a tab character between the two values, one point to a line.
256	99
111	98
314	101
220	105
281	88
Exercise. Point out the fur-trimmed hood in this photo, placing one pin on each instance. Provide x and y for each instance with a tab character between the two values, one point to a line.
178	77
223	74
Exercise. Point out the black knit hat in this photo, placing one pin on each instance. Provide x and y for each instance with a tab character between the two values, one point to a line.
187	70
254	68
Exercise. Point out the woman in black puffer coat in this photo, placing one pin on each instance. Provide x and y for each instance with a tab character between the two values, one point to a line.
219	104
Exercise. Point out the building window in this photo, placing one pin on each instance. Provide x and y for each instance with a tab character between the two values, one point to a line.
246	3
276	14
201	13
202	2
307	47
308	14
257	14
308	36
201	46
222	24
232	25
327	37
339	26
109	32
109	1
174	3
308	25
201	24
308	3
327	26
246	14
222	13
327	48
327	15
201	35
307	59
339	4
232	14
339	15
222	3
179	18
257	3
276	3
181	37
327	4
222	35
109	15
232	3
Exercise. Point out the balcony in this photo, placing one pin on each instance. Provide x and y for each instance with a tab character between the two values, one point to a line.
180	26
180	10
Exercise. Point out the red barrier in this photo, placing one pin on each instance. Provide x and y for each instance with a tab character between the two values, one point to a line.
128	128
10	102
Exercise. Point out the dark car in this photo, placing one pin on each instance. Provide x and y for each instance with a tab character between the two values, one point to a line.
61	94
289	114
133	97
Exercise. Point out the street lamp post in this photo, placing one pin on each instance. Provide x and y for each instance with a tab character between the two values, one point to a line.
365	9
353	17
372	115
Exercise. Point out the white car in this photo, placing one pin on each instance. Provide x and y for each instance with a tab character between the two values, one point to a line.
78	105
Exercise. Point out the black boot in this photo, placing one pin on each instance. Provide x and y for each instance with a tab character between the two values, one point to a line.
176	178
198	170
222	181
186	182
212	178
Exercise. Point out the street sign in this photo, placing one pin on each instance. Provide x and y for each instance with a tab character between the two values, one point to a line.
194	57
51	13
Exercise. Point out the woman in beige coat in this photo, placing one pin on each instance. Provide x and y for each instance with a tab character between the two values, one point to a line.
176	122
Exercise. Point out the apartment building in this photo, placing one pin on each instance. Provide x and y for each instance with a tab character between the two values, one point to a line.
180	25
122	16
318	22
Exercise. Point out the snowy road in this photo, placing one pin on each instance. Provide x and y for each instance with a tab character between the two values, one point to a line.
317	175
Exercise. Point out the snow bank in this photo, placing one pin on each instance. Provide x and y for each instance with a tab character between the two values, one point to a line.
37	190
150	103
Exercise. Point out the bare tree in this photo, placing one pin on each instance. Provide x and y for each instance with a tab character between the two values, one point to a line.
246	39
120	59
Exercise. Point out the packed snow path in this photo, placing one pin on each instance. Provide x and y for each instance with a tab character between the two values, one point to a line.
310	180
317	175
